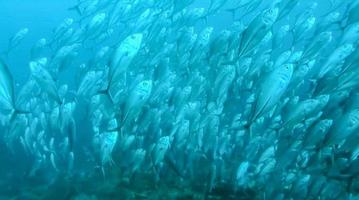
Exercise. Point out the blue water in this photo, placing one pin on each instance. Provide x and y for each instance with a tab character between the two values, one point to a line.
180	120
39	16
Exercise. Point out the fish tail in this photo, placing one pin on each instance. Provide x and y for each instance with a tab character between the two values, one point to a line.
107	93
76	9
17	112
13	116
113	163
74	95
20	111
204	18
250	131
232	11
102	171
154	166
248	128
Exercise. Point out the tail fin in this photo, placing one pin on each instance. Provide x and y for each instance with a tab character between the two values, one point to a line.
107	93
248	127
102	169
19	111
76	9
73	95
15	113
232	11
205	18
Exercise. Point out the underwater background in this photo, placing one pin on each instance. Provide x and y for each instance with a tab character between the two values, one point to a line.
179	99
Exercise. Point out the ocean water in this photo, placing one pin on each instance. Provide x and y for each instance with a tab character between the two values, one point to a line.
179	99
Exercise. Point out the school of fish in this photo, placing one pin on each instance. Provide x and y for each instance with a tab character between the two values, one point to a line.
267	108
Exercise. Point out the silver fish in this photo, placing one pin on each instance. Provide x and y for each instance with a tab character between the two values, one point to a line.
272	89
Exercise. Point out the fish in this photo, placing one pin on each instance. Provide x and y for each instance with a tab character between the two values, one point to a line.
351	34
108	141
242	176
256	31
15	40
160	149
70	128
9	106
335	59
137	98
63	57
273	87
44	79
343	127
122	58
280	35
245	5
228	96
95	26
317	133
91	83
53	162
319	42
7	97
138	159
285	7
38	49
302	29
71	161
352	13
305	109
